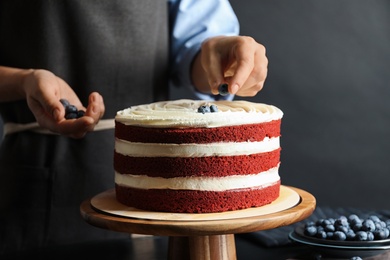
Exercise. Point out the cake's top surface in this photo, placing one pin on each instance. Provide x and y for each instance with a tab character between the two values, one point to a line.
184	113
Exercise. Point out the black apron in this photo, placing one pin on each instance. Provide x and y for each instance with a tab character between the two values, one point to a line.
118	48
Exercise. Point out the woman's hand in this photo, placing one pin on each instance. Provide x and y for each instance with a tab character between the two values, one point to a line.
238	61
43	91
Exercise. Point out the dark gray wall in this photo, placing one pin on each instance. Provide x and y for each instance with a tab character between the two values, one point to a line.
329	71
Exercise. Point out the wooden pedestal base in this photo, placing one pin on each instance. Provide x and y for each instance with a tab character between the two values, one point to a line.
202	247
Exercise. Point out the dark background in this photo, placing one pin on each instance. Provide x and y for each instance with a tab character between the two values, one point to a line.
329	72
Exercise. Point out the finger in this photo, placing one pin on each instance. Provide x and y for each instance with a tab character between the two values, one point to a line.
49	100
43	117
95	107
244	67
250	91
211	63
255	82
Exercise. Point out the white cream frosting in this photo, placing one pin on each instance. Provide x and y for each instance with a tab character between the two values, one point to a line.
232	182
195	150
184	113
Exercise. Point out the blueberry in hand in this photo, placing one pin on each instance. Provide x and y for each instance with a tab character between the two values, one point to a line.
223	89
64	102
71	115
70	109
80	113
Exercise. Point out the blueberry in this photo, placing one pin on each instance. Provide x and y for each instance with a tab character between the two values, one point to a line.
374	218
223	89
339	236
343	229
368	225
70	109
357	227
204	109
353	217
320	221
321	234
329	228
343	218
341	222
370	236
387	232
64	102
350	234
380	234
310	223
329	235
80	113
361	236
213	108
71	115
310	231
326	222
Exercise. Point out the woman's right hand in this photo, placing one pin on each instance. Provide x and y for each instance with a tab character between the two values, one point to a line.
43	91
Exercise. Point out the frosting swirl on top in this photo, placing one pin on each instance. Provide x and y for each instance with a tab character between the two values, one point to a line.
184	113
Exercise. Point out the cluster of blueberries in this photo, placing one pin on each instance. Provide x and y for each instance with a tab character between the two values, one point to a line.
207	109
71	111
351	228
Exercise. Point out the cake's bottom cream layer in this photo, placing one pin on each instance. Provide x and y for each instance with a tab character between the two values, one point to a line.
199	183
187	201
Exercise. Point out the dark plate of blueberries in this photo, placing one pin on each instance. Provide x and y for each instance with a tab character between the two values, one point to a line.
345	236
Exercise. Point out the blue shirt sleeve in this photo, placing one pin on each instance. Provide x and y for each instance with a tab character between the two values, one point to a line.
192	22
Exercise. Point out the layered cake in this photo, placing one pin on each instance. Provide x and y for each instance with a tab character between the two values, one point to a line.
192	156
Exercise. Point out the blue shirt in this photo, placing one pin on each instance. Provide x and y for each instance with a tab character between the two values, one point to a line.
192	22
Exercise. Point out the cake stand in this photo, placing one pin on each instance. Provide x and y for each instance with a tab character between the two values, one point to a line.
204	237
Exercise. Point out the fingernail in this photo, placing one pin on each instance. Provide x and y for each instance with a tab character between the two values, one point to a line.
223	89
235	88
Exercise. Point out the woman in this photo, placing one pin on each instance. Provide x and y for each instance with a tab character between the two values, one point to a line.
101	56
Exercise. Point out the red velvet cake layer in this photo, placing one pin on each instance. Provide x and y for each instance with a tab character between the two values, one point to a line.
240	133
187	201
215	166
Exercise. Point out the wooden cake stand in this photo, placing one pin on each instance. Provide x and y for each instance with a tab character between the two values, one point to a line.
198	236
